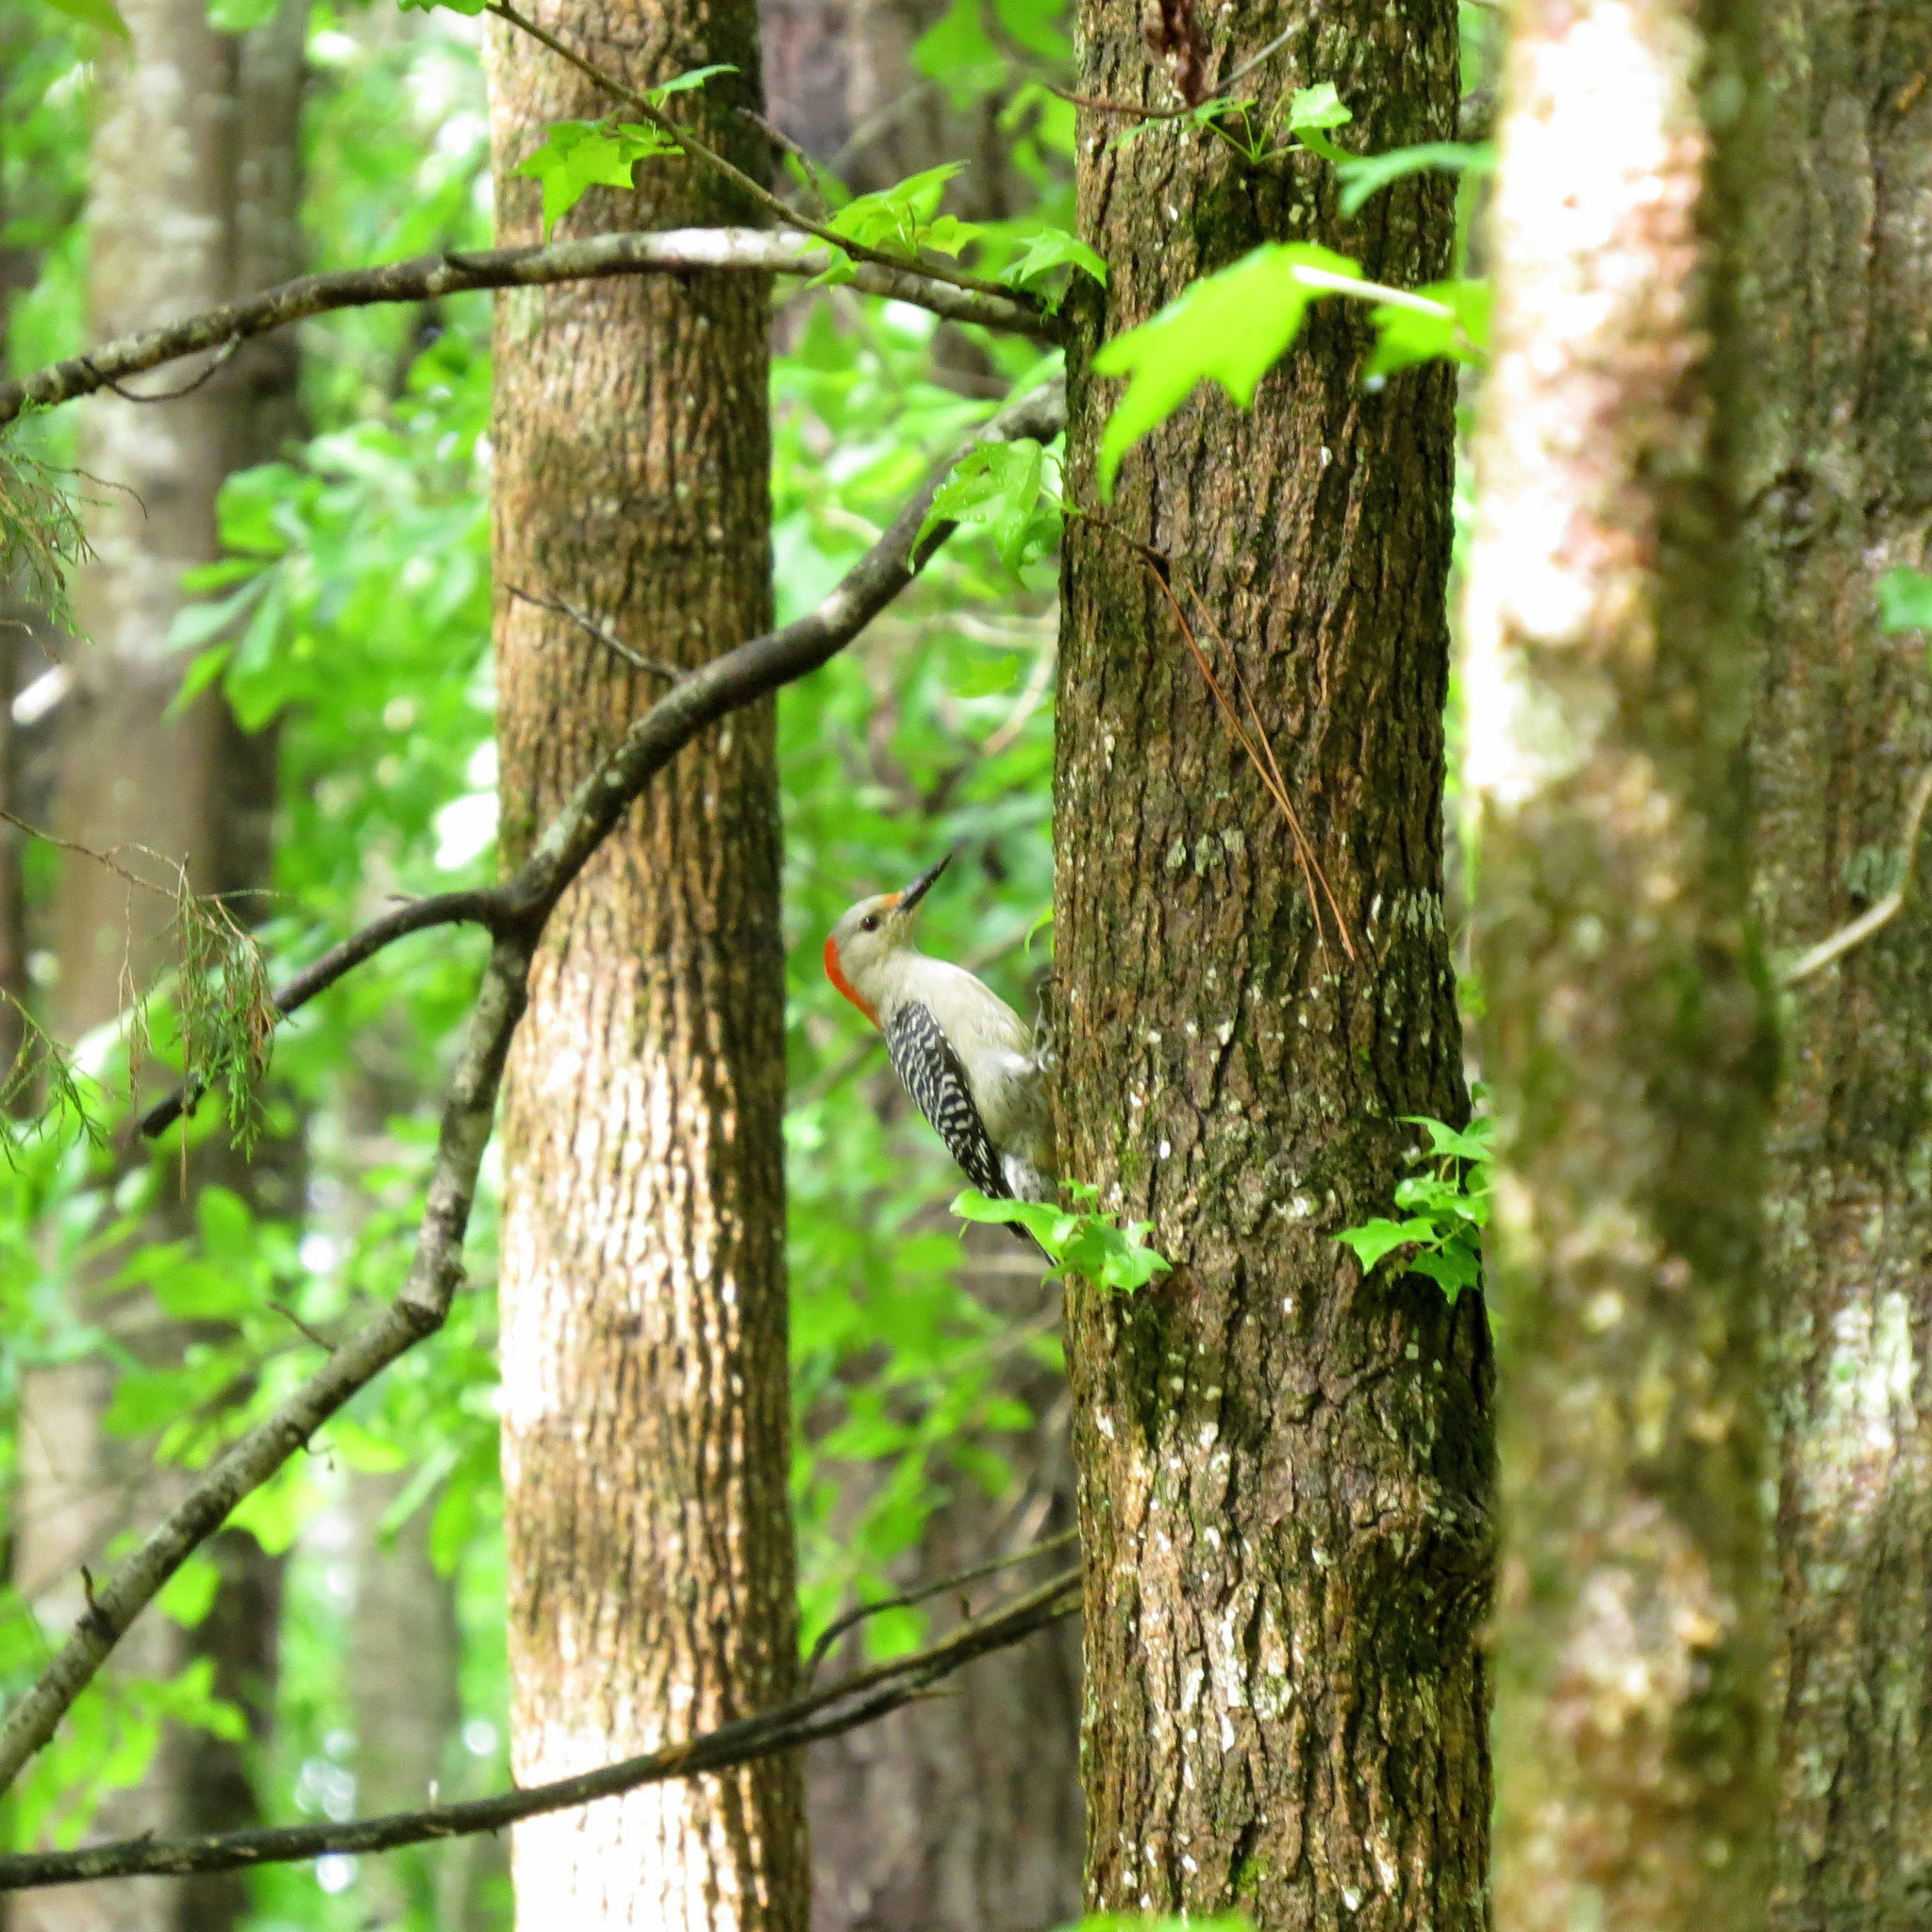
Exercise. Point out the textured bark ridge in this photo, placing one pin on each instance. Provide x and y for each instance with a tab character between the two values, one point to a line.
645	1425
195	197
1628	1041
1836	484
1284	1469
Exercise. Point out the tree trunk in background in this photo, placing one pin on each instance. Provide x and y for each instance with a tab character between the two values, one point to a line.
403	1651
1836	475
646	1433
1284	1469
844	85
195	166
962	1813
1628	1044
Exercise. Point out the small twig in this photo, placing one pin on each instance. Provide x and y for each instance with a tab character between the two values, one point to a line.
168	395
1886	910
1279	785
288	1314
105	859
1254	60
728	171
851	1619
877	124
786	145
1240	73
1260	755
608	639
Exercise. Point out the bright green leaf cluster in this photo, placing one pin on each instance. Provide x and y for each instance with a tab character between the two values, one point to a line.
904	218
576	156
1448	1208
1311	112
1077	1239
1231	329
1000	487
1043	251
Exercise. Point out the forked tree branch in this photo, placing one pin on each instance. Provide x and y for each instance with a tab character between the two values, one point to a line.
855	1700
762	251
517	912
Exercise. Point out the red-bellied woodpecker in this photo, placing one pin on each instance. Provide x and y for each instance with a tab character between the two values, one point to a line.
968	1060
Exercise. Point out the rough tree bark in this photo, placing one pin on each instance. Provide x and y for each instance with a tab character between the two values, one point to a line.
1284	1469
1628	1044
195	168
645	1429
1835	478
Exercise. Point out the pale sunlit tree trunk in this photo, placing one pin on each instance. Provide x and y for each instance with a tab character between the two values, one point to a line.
646	1431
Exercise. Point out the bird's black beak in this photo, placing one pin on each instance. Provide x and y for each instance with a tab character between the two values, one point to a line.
922	885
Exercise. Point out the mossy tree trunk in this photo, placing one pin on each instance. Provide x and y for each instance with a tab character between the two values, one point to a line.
1837	481
1628	1044
646	1415
1284	1469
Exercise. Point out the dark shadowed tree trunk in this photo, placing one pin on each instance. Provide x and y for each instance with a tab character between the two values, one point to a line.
1628	1044
1837	477
645	1427
195	168
1284	1469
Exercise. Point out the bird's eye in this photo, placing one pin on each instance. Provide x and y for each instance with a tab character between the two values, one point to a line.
870	923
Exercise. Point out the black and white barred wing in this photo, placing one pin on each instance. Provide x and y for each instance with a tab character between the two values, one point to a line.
930	1072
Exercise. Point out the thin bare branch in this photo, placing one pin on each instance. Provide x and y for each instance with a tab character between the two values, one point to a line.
220	359
515	913
701	697
604	635
426	277
854	1701
1887	909
1259	753
940	1586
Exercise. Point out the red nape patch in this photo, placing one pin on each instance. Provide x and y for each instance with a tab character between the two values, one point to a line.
836	973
